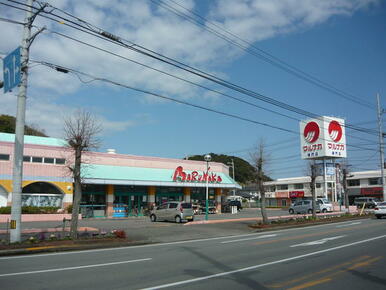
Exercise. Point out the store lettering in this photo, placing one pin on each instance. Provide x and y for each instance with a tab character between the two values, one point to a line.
314	147
181	176
333	146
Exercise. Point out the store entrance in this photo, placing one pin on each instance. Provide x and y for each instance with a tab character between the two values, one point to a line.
130	204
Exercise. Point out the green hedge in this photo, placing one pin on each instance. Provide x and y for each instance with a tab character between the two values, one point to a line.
31	209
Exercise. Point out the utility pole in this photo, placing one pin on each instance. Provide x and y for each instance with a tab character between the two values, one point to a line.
15	227
381	147
346	204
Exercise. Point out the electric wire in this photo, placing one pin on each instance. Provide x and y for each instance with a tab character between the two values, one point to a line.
187	68
257	52
62	68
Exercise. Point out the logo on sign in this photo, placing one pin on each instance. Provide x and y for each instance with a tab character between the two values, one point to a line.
181	176
335	131
311	132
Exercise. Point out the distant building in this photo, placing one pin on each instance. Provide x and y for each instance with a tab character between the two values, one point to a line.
283	191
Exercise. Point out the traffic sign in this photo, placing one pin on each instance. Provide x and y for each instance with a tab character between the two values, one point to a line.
12	70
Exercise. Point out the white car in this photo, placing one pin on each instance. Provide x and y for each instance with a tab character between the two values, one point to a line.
325	205
380	210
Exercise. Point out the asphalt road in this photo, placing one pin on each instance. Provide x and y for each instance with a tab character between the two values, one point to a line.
348	255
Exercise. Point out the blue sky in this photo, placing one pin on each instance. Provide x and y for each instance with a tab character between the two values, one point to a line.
340	42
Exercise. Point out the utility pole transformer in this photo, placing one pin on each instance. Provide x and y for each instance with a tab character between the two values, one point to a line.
15	227
381	147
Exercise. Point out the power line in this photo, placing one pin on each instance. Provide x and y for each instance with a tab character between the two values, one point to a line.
145	51
258	52
66	70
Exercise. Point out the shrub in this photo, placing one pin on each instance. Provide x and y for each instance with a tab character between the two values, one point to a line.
69	208
31	209
120	234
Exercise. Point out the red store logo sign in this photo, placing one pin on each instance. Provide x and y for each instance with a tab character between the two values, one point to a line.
181	176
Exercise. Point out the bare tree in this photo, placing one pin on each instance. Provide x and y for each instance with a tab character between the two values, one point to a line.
312	187
80	132
259	162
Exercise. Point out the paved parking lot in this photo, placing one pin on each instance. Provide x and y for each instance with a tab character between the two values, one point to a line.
143	230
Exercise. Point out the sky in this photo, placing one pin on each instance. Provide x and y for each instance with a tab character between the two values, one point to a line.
339	42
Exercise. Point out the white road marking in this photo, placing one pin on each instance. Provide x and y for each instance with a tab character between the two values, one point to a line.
318	242
73	268
262	265
252	238
157	245
350	224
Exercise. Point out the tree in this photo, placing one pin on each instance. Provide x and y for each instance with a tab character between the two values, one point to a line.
80	131
7	125
244	172
312	187
259	160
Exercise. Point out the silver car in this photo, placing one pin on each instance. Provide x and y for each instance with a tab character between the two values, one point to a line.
173	211
303	206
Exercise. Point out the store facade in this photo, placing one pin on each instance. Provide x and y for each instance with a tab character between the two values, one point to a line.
115	185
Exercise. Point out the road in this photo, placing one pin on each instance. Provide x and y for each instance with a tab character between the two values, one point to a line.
349	255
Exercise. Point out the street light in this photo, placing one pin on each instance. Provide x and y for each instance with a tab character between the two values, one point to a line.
232	164
207	158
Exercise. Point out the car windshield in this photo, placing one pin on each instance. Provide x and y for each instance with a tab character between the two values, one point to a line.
383	203
186	205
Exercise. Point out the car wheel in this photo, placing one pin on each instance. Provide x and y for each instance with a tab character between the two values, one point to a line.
324	210
291	211
178	219
310	211
153	218
378	216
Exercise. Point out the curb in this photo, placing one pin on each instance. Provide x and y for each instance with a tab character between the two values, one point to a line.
75	247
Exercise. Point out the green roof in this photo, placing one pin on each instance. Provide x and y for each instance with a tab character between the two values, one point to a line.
47	141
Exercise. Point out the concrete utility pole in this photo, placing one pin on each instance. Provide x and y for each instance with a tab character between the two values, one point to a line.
15	227
381	147
346	203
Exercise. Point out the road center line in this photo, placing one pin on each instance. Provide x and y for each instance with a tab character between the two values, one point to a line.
262	265
247	239
73	268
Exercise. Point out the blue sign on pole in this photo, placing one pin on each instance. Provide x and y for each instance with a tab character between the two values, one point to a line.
12	70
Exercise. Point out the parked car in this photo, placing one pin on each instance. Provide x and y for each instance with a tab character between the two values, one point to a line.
370	202
303	206
173	211
212	209
324	205
380	210
228	205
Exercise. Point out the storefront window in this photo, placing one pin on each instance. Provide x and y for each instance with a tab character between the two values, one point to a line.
353	182
298	186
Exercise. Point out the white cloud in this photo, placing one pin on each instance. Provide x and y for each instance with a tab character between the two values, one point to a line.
153	27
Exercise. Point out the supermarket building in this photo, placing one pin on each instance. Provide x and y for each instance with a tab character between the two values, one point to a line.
114	184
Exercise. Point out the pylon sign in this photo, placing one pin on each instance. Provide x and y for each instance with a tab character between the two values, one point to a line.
323	137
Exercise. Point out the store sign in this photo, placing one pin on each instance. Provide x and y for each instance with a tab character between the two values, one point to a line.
282	194
371	191
322	137
181	176
294	194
